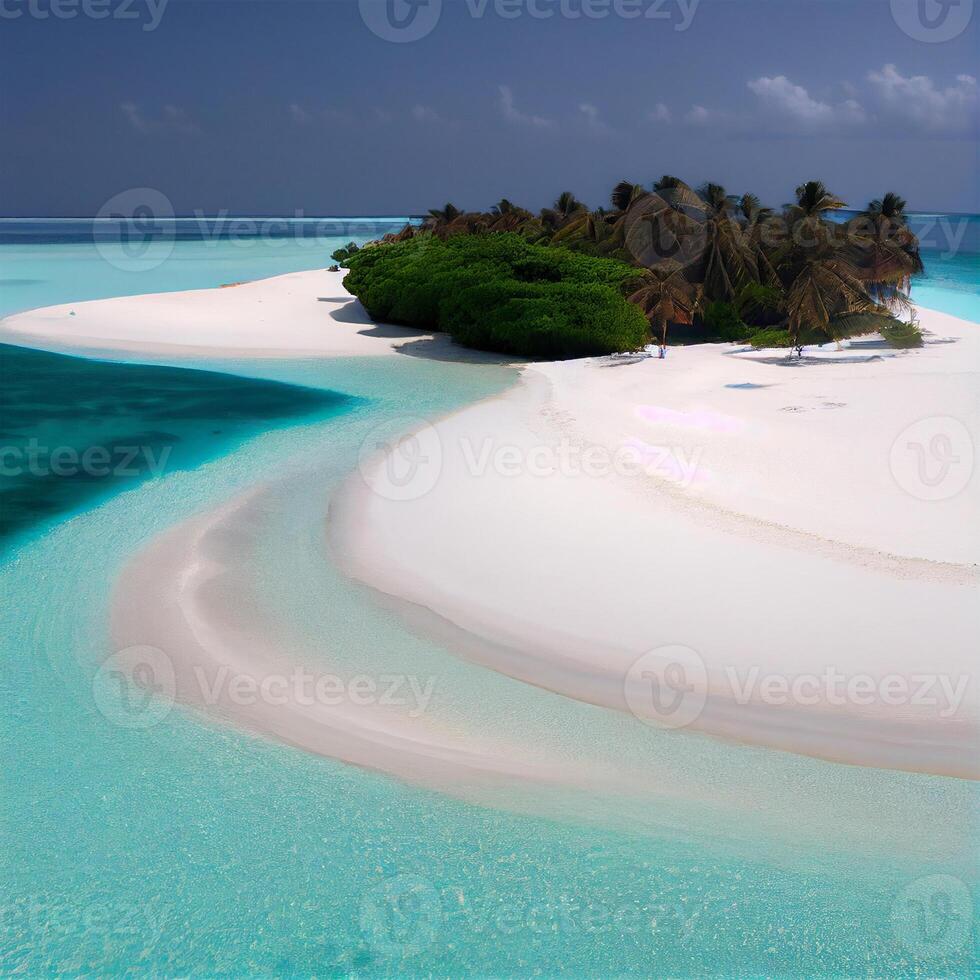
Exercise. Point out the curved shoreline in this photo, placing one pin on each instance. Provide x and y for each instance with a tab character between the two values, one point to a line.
725	584
187	597
303	314
193	594
504	569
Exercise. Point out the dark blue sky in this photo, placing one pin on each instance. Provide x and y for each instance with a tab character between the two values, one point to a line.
262	107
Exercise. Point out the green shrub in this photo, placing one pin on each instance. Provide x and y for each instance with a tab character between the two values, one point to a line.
771	338
343	254
721	320
900	334
500	293
759	305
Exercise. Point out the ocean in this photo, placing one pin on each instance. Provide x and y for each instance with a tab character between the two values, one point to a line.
188	848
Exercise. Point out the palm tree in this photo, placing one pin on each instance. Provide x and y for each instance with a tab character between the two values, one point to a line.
750	208
805	218
891	206
624	194
506	216
826	288
728	262
565	207
567	204
886	250
716	199
756	222
666	297
443	216
670	183
503	206
813	198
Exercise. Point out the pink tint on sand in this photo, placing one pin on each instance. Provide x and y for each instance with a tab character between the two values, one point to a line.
663	461
698	419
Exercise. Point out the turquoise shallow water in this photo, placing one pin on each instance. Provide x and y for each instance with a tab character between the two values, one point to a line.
950	246
951	284
188	849
43	263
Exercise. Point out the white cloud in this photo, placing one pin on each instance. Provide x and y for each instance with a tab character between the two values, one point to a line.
306	117
298	114
886	102
916	99
133	115
852	111
699	116
512	114
793	104
426	114
591	114
171	119
781	95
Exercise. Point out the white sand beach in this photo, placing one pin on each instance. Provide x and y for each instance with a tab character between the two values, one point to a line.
285	316
771	518
780	528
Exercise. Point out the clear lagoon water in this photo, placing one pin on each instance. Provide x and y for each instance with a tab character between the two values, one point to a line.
186	848
44	262
950	245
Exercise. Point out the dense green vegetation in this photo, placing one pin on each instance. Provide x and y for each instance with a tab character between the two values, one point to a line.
501	293
716	266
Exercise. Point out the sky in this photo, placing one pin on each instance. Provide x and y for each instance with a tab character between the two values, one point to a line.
342	107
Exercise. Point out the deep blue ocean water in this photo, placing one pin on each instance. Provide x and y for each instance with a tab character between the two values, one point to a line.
186	848
75	430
